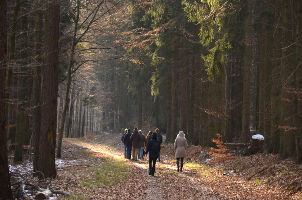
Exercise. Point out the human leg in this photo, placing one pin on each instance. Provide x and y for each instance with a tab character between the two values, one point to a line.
153	167
177	162
133	153
129	152
152	162
140	153
150	166
181	163
125	151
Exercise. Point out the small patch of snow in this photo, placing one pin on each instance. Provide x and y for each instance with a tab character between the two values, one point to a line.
47	192
258	137
23	169
68	163
60	163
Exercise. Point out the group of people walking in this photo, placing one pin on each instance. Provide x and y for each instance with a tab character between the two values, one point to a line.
139	145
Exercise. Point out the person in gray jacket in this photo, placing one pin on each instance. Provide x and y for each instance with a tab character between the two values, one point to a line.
180	146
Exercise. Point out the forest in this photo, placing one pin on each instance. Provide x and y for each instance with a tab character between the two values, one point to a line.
75	69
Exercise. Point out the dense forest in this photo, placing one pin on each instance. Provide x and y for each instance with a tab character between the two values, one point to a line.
69	68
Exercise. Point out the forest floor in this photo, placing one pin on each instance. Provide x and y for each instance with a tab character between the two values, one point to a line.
94	168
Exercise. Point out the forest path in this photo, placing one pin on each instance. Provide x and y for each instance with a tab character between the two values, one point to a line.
197	181
166	184
111	148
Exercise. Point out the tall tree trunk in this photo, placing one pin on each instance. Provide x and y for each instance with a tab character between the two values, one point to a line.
58	114
140	107
266	42
50	92
298	121
80	120
171	129
10	108
288	101
92	120
183	97
21	82
69	79
5	188
193	112
253	76
70	115
37	86
83	123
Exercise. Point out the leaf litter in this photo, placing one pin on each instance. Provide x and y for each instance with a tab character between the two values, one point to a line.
260	176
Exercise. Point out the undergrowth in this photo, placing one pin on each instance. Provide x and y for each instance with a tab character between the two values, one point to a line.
220	153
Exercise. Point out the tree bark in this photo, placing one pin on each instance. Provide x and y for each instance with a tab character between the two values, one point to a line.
50	91
5	188
288	100
140	108
298	121
70	116
21	82
69	79
10	109
83	123
37	87
171	129
80	119
253	76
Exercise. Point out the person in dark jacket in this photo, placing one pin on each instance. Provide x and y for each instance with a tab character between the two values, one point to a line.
148	139
123	140
135	139
128	143
159	138
149	136
153	148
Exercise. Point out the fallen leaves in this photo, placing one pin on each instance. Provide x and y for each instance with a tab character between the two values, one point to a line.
94	168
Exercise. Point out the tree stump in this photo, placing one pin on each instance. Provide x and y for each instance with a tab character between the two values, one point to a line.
257	143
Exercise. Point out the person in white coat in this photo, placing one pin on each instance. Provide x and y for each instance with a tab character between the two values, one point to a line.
180	146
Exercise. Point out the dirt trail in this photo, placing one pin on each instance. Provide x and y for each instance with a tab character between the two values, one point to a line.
170	184
167	182
94	168
156	189
153	191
